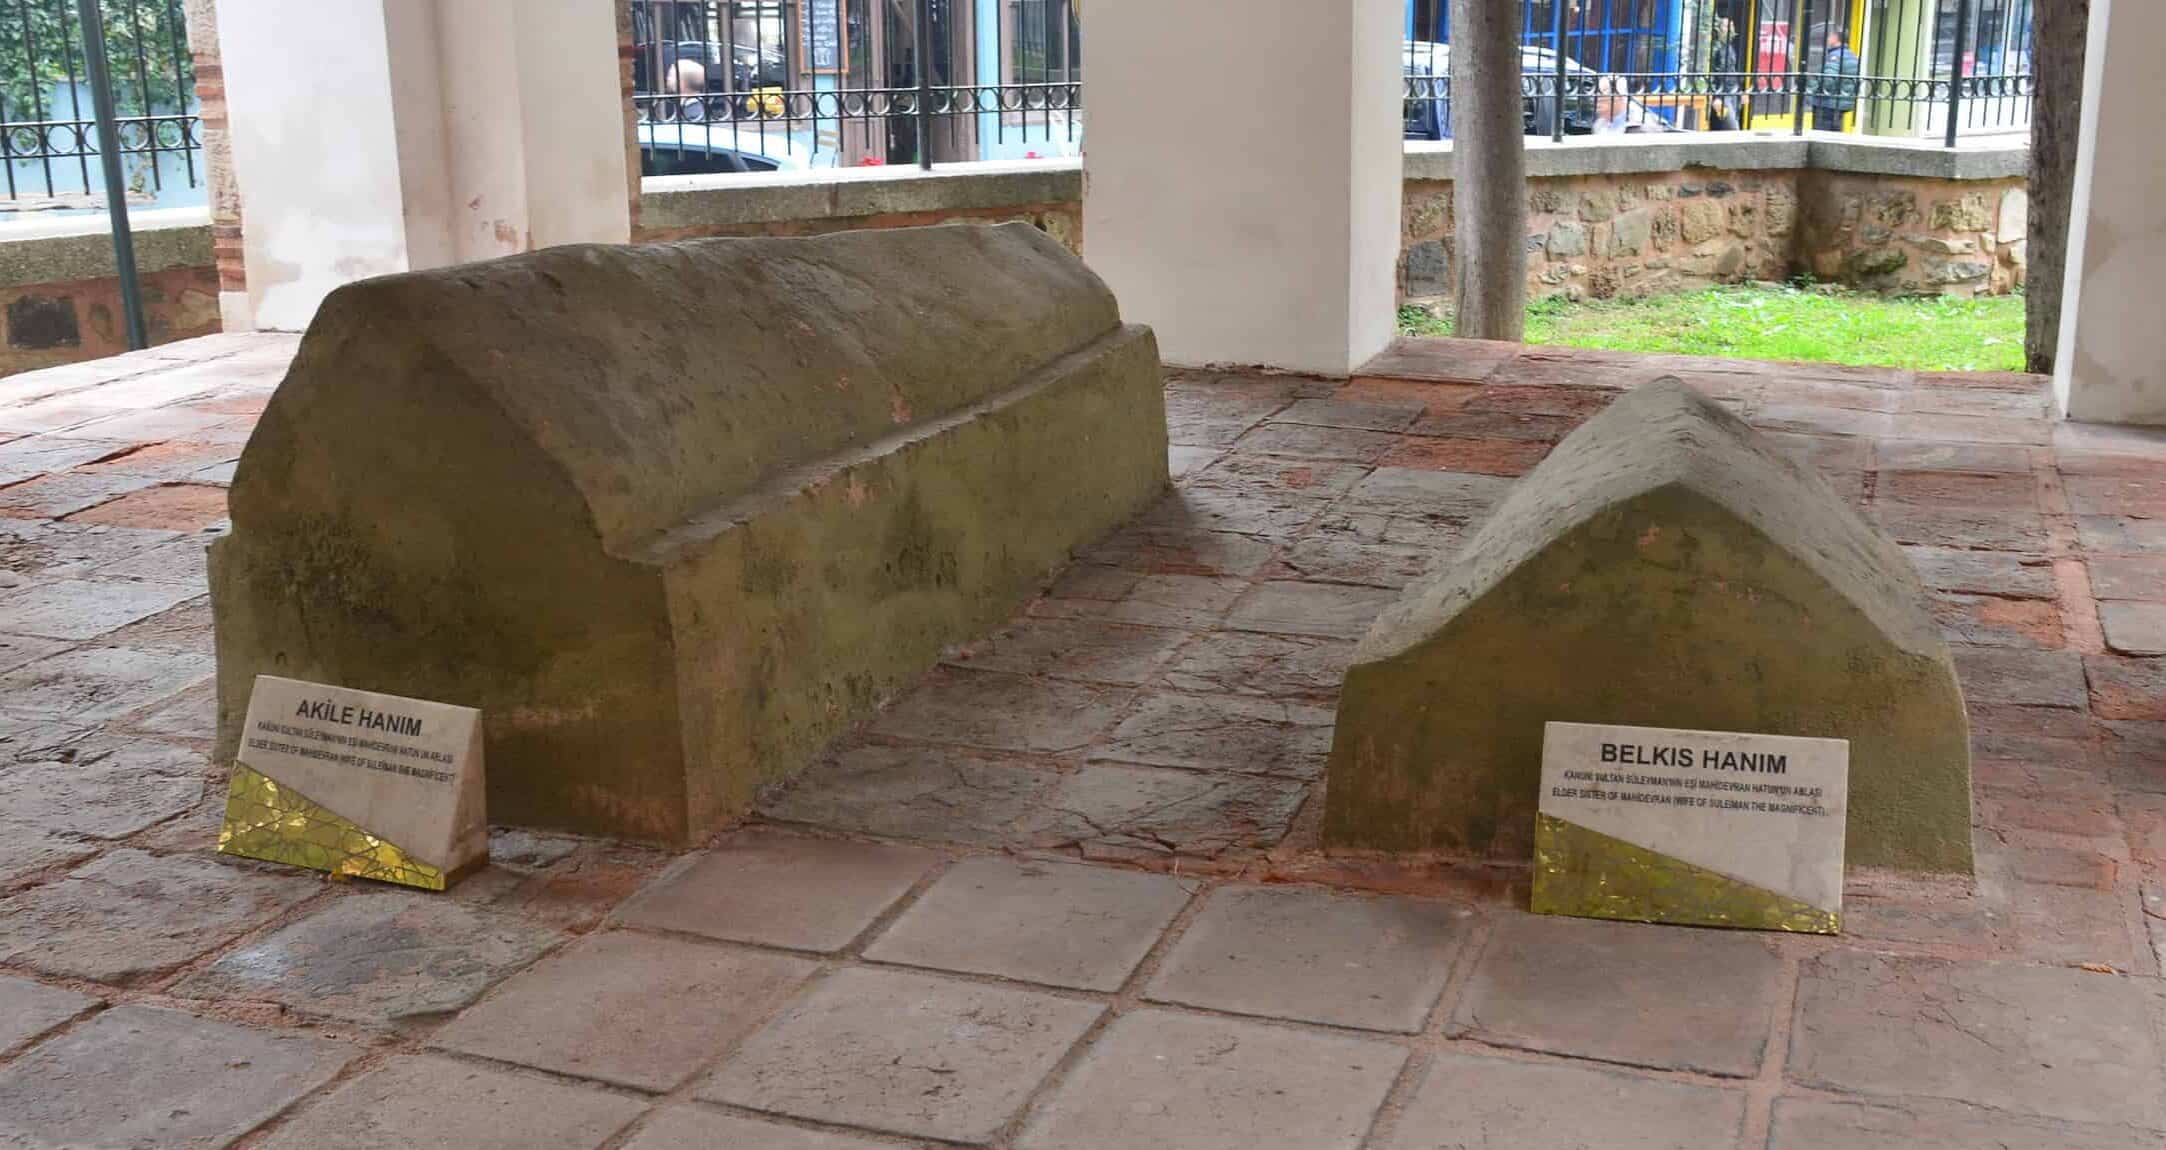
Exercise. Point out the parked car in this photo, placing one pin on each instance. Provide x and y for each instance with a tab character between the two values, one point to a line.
1428	105
687	149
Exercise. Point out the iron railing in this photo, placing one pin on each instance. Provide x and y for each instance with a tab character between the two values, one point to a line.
1937	69
757	85
49	149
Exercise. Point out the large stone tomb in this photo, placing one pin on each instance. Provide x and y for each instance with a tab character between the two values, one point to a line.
673	516
1664	567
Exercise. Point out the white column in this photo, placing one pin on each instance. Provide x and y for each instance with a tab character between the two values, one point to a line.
2111	366
379	136
1242	175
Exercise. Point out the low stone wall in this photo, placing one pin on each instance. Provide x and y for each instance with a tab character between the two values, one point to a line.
1047	195
60	295
1641	218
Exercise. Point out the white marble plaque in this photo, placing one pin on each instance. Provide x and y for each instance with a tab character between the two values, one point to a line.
405	771
1747	816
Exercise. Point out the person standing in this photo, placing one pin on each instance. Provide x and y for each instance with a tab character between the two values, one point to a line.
1835	90
1725	81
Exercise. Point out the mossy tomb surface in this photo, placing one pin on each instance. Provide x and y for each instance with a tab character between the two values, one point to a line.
1665	566
672	516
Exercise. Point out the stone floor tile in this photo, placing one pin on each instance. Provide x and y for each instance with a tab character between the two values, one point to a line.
2066	926
1466	424
2065	1044
1335	560
1314	955
1082	927
2134	754
17	650
41	454
1490	457
2141	577
904	1053
84	608
1183	461
1306	442
1351	413
188	714
1831	1124
131	913
1983	572
1255	663
2142	496
1257	512
1279	476
2000	491
426	1100
2021	532
378	957
28	851
1171	1080
185	627
1666	997
1240	734
1470	1102
1329	610
1991	621
781	890
52	496
63	550
1003	712
172	506
169	461
28	1009
2126	688
1180	601
1928	455
146	425
92	685
1114	811
694	1128
2134	628
2021	678
631	1009
103	787
941	794
2119	535
1450	496
136	1076
1081	649
1191	551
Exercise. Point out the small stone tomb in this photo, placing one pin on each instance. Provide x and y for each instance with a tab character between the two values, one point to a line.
1704	828
1668	567
673	516
358	784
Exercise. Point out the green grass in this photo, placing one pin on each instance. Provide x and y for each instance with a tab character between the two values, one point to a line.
1768	321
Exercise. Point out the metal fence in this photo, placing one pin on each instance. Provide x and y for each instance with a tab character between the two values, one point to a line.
761	85
1939	69
48	131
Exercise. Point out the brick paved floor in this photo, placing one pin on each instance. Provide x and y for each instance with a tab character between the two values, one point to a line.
1066	893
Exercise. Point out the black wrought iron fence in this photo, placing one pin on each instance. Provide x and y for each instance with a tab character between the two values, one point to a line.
1933	69
48	132
761	85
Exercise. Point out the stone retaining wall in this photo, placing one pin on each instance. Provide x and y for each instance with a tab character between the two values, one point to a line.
60	296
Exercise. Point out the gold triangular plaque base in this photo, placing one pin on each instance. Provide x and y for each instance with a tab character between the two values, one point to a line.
265	819
1588	874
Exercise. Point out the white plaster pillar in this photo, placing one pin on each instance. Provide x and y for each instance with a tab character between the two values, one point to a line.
1242	174
379	136
2111	366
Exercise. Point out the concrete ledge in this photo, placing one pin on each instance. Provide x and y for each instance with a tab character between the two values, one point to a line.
1756	151
708	203
77	248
